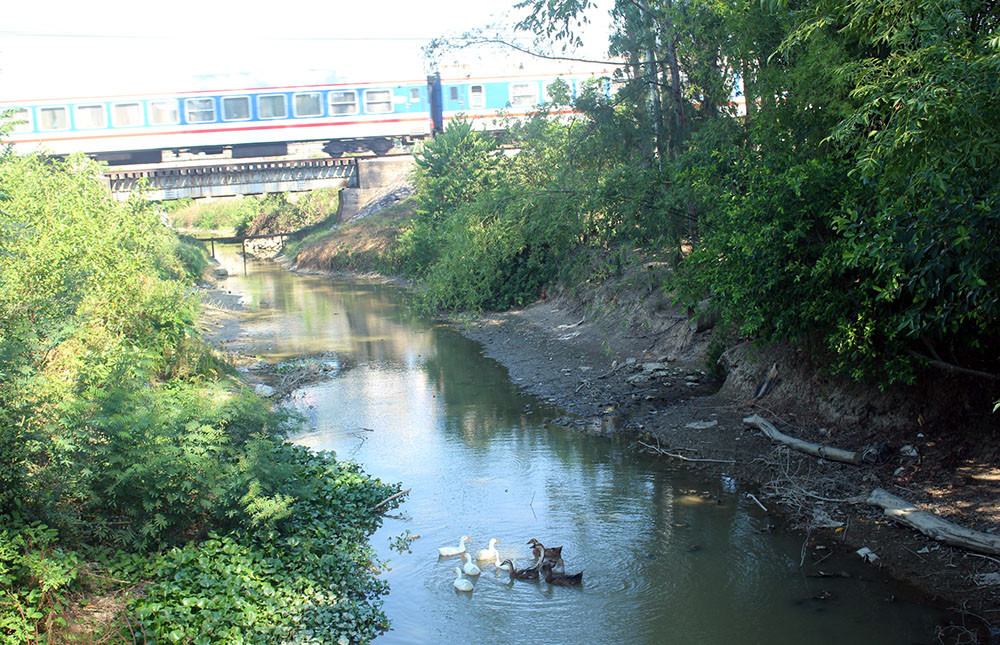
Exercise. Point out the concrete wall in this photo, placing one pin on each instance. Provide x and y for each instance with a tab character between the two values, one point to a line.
377	177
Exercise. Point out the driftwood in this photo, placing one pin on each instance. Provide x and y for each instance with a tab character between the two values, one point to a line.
814	449
933	526
390	498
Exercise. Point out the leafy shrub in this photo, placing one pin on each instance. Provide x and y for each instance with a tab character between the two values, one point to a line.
276	213
36	577
215	215
170	462
453	168
116	430
490	231
318	205
308	578
193	257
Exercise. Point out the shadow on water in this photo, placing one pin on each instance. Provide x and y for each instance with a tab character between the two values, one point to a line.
669	556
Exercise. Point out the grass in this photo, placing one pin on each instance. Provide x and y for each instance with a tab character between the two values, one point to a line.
364	245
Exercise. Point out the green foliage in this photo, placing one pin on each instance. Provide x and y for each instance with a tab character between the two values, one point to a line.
925	139
453	169
511	228
853	208
307	579
276	213
318	205
213	215
88	300
171	462
193	256
117	432
253	215
860	218
770	257
36	577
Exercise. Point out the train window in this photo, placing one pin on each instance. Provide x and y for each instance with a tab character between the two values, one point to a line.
477	96
523	94
235	108
53	118
378	101
164	112
272	106
414	95
91	117
307	104
199	110
126	115
344	102
21	120
453	92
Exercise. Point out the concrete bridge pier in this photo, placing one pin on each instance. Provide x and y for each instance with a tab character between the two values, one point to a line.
376	178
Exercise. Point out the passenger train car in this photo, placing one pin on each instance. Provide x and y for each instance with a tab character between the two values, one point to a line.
257	122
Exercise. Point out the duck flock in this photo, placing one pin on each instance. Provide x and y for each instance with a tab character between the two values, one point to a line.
548	564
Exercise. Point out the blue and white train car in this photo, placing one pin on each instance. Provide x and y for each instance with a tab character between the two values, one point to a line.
256	122
481	100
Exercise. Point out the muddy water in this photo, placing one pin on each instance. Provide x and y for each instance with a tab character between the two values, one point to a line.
668	556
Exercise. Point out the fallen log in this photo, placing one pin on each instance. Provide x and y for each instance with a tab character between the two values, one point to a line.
814	449
933	526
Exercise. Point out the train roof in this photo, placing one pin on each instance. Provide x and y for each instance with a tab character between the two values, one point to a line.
455	74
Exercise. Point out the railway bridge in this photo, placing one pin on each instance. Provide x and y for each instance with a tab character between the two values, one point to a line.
361	180
230	178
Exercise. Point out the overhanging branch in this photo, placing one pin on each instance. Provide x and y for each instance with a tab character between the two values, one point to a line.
954	368
499	41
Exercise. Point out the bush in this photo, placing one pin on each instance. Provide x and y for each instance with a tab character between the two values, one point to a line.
226	214
117	434
36	577
308	578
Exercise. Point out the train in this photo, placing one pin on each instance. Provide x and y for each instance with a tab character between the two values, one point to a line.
361	117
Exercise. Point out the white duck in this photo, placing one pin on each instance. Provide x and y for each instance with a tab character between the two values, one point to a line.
469	567
447	551
461	583
490	553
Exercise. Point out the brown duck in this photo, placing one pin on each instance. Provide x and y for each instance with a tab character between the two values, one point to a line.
541	554
529	573
560	579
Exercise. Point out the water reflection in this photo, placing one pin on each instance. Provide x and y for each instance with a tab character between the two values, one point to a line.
668	557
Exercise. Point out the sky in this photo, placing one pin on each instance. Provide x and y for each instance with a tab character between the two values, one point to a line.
72	47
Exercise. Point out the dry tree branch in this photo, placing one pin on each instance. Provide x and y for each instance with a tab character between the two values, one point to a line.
661	451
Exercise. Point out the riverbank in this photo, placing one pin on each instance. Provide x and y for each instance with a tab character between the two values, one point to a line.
654	387
626	361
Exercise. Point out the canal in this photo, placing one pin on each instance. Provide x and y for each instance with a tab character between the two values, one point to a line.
668	555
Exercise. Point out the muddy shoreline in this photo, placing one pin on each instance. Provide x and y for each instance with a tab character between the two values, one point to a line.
635	384
651	386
